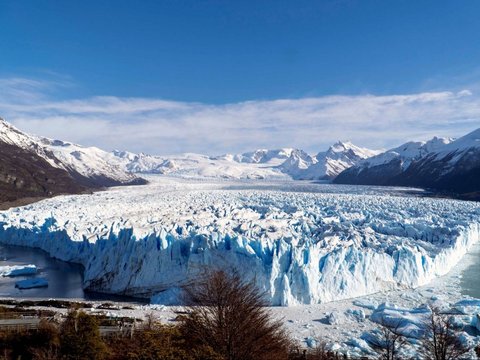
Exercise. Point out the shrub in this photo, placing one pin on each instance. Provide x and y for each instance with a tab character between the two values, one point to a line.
441	341
230	316
30	344
80	338
158	342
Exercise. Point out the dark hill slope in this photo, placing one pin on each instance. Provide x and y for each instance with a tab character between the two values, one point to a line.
24	174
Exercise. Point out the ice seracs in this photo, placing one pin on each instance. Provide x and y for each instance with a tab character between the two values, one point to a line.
303	243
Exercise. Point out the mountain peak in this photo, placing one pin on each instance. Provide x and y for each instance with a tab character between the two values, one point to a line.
471	140
474	135
341	146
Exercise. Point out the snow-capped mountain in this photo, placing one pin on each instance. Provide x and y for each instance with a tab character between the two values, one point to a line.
259	164
441	163
407	152
87	167
263	156
93	167
338	157
24	175
90	166
297	164
191	165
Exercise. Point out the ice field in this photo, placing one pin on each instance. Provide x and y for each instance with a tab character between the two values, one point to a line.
304	243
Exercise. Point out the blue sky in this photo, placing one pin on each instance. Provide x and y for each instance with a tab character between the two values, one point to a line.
215	64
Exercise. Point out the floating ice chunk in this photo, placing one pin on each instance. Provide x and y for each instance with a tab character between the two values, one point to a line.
358	315
17	270
31	283
468	302
476	321
468	306
335	347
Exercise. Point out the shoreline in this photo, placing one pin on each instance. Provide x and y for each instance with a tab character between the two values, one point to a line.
307	324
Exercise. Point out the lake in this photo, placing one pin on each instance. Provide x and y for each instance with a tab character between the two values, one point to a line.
64	279
470	280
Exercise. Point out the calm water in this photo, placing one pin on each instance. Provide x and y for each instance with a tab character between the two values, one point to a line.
470	281
64	279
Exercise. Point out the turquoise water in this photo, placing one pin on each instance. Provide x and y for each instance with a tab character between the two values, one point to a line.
470	280
64	279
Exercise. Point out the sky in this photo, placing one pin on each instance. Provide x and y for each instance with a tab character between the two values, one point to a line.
212	77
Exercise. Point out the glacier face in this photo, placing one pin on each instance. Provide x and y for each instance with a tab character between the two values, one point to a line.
303	243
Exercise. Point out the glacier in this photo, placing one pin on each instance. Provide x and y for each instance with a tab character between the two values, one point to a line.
303	243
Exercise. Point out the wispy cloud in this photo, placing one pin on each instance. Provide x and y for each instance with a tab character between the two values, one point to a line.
162	126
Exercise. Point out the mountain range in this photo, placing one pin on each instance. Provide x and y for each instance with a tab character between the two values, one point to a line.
33	166
286	163
451	165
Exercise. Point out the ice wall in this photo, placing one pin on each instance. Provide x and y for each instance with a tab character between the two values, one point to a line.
301	248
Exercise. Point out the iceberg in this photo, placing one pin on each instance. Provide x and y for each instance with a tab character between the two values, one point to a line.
17	270
302	243
31	283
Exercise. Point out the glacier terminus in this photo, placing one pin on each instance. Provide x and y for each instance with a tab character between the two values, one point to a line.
302	242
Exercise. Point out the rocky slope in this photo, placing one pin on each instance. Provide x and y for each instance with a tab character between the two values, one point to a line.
25	174
32	167
442	164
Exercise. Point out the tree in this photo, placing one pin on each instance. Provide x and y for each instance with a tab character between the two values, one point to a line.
441	341
80	338
155	341
229	315
390	341
47	341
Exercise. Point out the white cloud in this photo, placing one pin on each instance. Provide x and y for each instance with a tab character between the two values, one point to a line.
162	126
